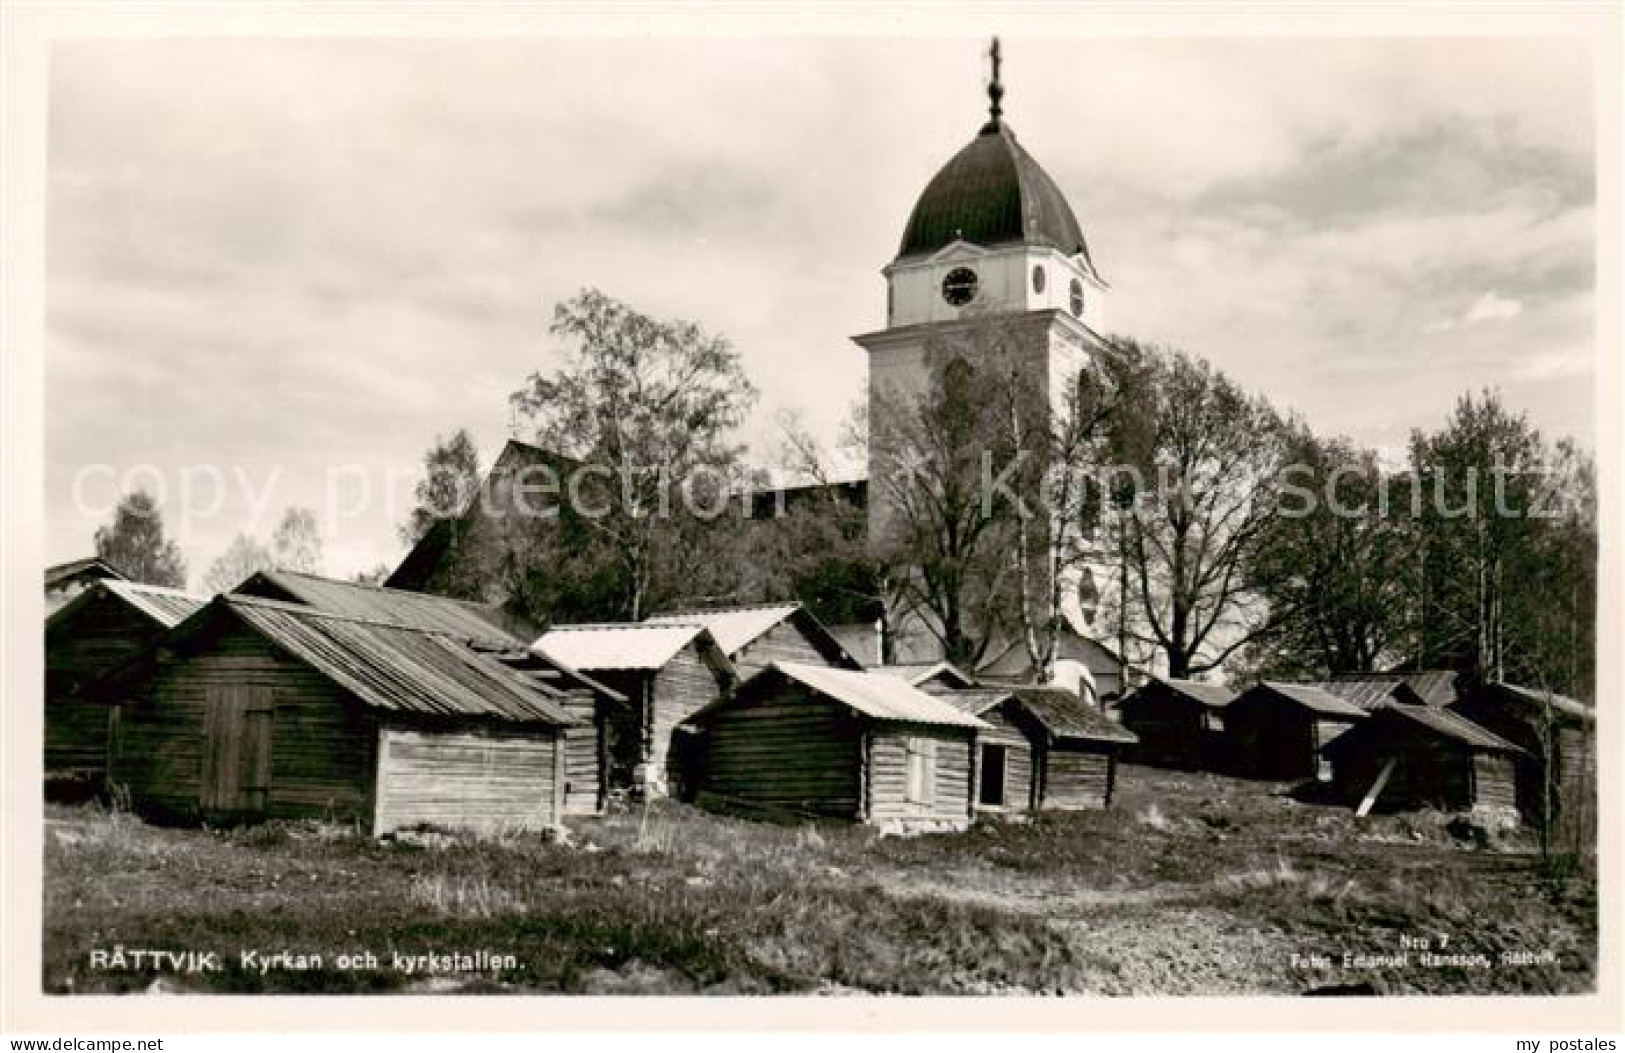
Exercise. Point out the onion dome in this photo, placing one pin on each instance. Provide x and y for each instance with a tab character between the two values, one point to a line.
993	194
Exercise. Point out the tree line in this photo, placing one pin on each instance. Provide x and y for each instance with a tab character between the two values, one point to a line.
134	544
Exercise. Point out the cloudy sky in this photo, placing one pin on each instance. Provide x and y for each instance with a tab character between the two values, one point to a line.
293	263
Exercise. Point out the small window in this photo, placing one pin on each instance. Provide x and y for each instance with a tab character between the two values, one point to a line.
1077	298
1038	278
922	771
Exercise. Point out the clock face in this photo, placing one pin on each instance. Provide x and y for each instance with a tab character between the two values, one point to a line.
1038	278
1077	298
959	287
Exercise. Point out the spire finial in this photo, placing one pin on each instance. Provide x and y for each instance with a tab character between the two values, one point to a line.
995	86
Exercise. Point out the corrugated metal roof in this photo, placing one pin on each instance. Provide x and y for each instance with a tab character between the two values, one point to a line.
1432	687
1451	725
917	673
1212	695
63	571
733	627
417	610
617	645
167	607
1435	687
736	628
1066	716
398	668
974	700
542	666
1367	692
877	697
1314	699
1534	700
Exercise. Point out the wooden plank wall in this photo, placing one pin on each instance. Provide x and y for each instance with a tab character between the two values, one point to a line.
1575	755
585	753
794	753
321	742
1169	728
1577	785
681	688
1494	782
100	636
888	777
1269	737
469	778
785	642
1429	772
1577	771
1077	776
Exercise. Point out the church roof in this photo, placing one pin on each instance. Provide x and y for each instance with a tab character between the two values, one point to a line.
992	193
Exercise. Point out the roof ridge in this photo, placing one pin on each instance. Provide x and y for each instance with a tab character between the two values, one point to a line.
324	579
728	608
606	626
161	590
310	611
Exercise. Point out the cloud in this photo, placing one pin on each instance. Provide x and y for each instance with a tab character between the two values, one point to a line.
1492	308
1487	308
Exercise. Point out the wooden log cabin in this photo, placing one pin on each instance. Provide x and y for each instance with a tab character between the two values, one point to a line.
1077	749
754	637
489	627
1047	748
1557	774
667	672
1178	723
811	742
102	627
257	708
1005	762
1277	730
1404	757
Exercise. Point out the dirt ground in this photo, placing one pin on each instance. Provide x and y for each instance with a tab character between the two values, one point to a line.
1190	884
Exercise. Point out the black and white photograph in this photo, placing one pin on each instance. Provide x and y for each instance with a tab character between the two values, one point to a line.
977	513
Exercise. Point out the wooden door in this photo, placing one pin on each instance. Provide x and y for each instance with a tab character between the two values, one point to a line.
236	749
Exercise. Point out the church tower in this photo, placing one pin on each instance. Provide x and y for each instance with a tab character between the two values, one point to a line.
991	237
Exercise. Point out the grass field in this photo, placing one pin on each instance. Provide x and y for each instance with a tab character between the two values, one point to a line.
1190	884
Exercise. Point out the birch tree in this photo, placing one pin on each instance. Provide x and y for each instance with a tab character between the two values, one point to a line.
649	409
134	543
